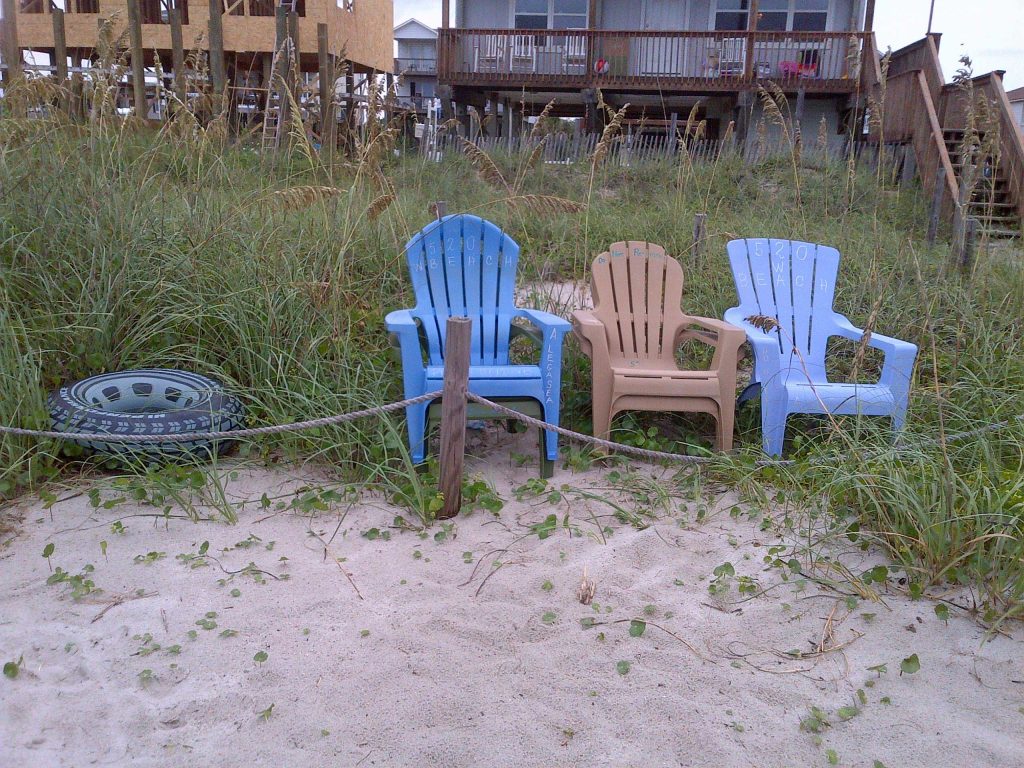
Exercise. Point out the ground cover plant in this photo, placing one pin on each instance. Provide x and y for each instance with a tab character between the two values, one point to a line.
125	246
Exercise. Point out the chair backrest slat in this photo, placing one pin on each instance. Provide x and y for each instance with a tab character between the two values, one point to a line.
637	291
466	267
794	283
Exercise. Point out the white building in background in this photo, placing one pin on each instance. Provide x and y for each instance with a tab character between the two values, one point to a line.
1016	98
416	63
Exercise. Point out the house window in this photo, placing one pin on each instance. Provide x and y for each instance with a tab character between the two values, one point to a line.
731	14
550	14
774	15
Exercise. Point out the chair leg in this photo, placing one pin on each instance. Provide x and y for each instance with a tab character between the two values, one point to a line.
601	410
551	438
726	423
416	421
774	412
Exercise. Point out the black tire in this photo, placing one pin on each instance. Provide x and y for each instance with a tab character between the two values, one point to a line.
152	401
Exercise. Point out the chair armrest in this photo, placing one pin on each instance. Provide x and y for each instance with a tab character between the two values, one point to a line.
844	328
405	330
899	355
545	321
767	354
724	337
590	333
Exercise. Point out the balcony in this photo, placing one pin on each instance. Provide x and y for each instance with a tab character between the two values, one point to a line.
649	60
407	66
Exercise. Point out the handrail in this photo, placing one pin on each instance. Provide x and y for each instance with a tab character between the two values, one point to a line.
1011	142
909	113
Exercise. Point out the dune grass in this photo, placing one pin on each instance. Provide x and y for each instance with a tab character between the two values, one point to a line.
121	247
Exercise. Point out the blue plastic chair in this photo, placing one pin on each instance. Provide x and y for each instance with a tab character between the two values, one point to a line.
794	284
463	266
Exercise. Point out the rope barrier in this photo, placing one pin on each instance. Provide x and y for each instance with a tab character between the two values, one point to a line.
183	437
381	410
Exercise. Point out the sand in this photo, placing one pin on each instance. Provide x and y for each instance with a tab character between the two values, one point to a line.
409	651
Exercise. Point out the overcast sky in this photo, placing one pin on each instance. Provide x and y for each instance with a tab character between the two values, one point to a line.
991	32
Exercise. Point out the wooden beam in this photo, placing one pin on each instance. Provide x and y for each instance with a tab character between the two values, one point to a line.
178	55
138	65
217	68
592	21
445	13
869	17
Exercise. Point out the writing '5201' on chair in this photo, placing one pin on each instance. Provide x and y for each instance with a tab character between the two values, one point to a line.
463	266
788	287
633	334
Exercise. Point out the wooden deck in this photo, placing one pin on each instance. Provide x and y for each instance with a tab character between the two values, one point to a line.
705	62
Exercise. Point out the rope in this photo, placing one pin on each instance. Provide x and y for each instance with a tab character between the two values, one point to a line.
183	437
606	444
381	410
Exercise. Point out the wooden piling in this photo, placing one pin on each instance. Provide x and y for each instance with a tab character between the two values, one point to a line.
9	41
138	65
178	55
218	78
699	229
326	66
966	256
60	46
935	214
453	413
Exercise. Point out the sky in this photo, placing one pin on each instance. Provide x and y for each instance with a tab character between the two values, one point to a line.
991	32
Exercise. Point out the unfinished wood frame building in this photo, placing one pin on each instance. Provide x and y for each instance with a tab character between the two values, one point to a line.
240	36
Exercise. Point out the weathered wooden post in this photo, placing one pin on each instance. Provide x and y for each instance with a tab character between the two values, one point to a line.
970	244
936	212
60	59
325	65
178	54
138	66
218	76
453	413
10	51
699	229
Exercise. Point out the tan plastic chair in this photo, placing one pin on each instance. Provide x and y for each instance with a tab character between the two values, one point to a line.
633	334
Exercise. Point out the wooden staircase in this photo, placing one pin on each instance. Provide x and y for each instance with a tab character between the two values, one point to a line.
991	201
923	111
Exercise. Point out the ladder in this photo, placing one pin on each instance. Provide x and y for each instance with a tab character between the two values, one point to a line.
275	116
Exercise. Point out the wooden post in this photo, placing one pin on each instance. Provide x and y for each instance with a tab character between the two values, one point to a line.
445	13
178	54
60	46
673	134
699	229
936	211
217	72
970	244
798	114
328	121
869	17
60	59
138	66
750	69
453	413
9	49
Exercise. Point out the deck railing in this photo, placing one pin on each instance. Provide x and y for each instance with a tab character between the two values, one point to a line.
416	66
713	60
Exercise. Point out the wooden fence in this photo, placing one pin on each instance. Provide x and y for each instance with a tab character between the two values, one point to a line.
653	148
